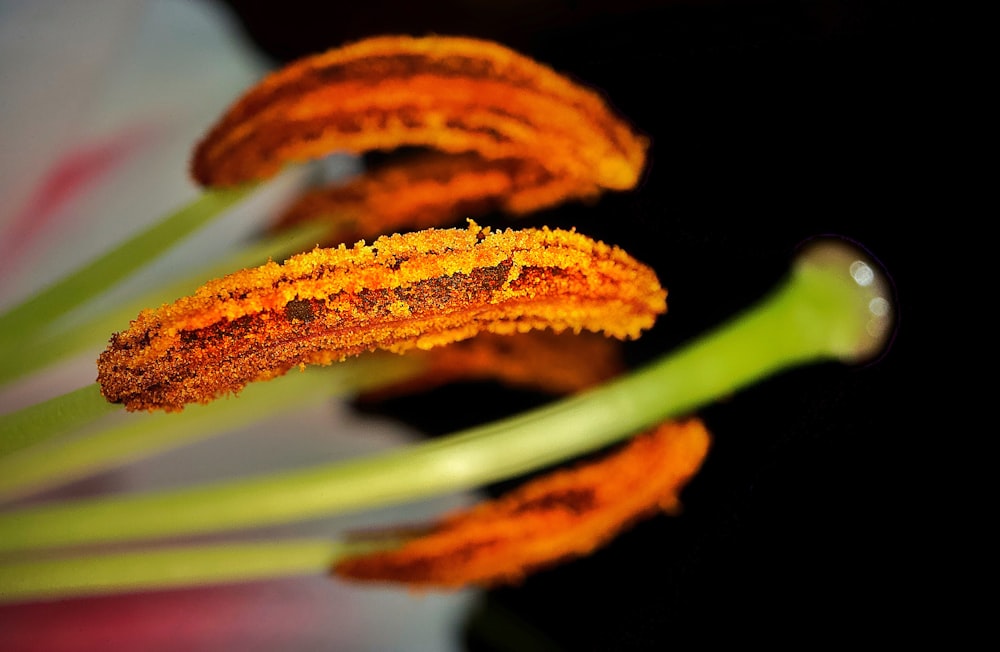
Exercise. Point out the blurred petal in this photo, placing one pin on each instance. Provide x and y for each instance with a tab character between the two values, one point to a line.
102	103
48	82
288	615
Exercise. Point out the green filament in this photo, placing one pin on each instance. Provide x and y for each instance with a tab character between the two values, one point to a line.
137	436
56	416
95	574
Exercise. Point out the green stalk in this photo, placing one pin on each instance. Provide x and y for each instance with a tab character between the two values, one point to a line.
57	416
142	435
65	340
93	574
821	312
23	320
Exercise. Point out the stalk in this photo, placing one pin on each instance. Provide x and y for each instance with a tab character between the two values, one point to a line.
194	565
56	416
24	320
61	460
834	305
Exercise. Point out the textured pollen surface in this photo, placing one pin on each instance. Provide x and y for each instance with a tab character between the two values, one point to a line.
565	514
416	290
450	94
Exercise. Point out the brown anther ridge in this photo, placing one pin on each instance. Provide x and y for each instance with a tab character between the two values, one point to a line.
559	516
417	290
428	190
450	94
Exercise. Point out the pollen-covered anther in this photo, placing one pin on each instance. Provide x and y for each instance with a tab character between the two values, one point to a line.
559	516
417	290
450	94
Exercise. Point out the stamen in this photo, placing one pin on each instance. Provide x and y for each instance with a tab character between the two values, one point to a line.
417	290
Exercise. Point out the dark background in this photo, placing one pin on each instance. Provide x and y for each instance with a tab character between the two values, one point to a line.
770	122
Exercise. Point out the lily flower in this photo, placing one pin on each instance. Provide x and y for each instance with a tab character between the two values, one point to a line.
412	290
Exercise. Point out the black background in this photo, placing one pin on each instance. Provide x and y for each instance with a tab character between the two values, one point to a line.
770	122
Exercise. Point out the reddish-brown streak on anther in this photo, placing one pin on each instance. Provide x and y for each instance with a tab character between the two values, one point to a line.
565	514
416	290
